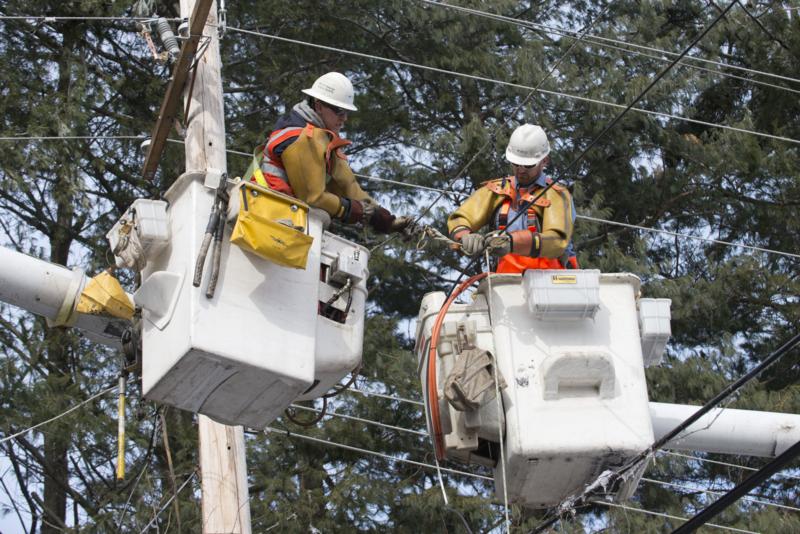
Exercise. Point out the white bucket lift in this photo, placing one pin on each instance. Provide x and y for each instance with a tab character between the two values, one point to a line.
270	335
567	346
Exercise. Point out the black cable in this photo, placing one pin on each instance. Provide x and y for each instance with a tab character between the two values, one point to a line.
525	205
741	489
731	388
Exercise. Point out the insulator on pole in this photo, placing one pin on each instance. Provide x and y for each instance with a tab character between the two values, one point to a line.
168	38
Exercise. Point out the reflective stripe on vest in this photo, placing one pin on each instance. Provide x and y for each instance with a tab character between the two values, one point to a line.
271	172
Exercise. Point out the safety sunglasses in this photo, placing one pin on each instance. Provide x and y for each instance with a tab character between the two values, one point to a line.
340	112
526	166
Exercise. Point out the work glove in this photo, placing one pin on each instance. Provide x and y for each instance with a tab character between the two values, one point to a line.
499	243
381	220
472	244
519	242
404	225
369	206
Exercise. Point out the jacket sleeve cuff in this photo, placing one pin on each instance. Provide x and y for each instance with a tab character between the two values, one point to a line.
458	232
526	243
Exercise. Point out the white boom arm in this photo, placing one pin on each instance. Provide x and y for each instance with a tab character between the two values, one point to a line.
52	291
727	431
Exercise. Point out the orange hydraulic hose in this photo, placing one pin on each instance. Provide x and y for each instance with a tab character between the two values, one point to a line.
433	389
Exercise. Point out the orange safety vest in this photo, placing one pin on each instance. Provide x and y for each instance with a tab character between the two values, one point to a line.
515	263
272	172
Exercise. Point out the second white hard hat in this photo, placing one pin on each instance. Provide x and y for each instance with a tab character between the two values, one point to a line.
333	88
528	145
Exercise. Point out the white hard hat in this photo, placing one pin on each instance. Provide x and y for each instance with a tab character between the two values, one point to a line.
528	145
335	89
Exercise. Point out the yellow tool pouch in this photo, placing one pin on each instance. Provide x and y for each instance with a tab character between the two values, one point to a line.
272	226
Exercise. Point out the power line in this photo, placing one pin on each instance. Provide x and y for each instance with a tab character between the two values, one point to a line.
59	416
46	18
612	476
290	434
371	394
668	516
599	40
741	489
523	208
169	501
690	236
493	134
71	137
715	492
359	419
717	462
437	190
515	85
702	69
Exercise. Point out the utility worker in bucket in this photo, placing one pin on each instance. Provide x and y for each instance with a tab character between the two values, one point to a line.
303	157
540	238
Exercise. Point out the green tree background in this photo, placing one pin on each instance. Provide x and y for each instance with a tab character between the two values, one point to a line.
731	305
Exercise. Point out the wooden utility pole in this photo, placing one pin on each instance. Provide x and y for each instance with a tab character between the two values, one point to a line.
226	507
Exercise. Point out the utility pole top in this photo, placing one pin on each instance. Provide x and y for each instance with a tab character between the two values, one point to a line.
169	107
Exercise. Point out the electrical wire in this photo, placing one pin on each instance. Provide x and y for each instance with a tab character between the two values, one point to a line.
668	516
389	397
634	462
47	18
59	416
715	492
511	84
690	236
740	490
71	137
717	462
596	39
287	433
496	129
444	192
359	419
169	501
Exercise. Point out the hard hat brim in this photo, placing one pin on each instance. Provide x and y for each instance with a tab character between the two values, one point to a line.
518	160
338	103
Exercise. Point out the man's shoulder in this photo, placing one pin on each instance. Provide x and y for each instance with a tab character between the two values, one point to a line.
499	186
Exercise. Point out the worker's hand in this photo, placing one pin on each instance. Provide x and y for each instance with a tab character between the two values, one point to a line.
403	225
381	220
499	243
472	244
369	205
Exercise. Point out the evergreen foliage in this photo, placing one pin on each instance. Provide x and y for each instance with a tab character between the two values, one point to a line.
731	305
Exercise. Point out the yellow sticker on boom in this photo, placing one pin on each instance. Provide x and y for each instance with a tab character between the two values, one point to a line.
564	279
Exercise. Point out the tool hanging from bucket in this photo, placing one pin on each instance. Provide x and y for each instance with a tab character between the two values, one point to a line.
215	229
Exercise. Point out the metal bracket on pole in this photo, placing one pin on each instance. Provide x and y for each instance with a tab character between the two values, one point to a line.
169	107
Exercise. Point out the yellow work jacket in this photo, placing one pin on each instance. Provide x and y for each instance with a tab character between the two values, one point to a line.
553	212
318	171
